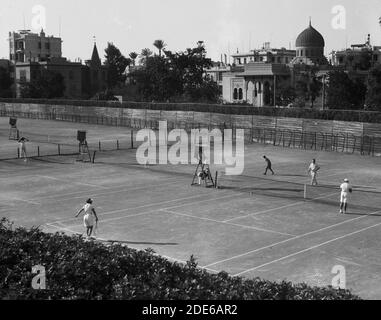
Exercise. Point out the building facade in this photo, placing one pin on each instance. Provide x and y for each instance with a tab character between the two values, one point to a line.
25	46
266	69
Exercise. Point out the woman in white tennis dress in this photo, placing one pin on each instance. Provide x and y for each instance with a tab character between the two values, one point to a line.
88	218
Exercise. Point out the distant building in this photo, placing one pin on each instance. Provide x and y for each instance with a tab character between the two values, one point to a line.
25	46
266	54
264	70
310	48
94	75
359	57
31	53
71	72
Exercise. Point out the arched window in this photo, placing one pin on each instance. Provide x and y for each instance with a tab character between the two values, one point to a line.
240	94
235	94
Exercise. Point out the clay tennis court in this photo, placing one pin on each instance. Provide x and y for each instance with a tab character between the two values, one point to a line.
254	225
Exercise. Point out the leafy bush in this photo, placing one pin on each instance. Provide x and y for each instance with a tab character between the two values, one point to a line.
79	269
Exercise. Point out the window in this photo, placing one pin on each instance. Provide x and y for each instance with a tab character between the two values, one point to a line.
235	94
240	94
47	45
244	60
239	60
39	45
260	58
279	59
23	75
286	59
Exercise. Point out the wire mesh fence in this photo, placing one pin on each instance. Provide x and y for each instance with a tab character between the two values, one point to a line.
323	141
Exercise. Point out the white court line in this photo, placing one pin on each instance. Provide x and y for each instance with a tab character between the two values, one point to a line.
156	254
142	206
308	249
21	200
291	239
282	207
74	182
226	223
103	193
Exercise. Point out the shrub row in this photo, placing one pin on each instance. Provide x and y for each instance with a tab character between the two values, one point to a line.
339	115
79	269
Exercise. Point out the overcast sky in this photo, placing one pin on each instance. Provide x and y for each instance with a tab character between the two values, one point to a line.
223	25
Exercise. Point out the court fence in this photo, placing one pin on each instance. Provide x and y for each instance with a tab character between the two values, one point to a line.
306	140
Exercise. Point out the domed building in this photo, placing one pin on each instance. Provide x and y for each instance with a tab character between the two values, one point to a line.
310	48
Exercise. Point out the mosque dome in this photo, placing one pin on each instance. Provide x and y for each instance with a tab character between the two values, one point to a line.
310	37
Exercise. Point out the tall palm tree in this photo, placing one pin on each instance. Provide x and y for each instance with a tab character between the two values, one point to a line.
160	45
144	55
133	56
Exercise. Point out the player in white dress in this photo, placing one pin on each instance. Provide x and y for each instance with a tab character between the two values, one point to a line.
88	218
22	147
345	190
313	169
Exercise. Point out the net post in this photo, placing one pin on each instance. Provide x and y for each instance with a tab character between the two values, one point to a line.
38	151
216	180
132	139
99	145
18	153
93	159
305	192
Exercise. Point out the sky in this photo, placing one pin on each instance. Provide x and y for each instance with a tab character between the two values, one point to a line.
225	26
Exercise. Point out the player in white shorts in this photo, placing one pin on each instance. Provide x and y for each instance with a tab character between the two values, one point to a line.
88	218
345	190
313	169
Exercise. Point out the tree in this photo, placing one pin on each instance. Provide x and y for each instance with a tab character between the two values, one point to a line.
144	55
116	64
307	85
133	56
160	45
5	83
47	85
177	76
343	92
373	95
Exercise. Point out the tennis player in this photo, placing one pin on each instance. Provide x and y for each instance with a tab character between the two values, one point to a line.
345	189
88	218
22	146
313	169
268	165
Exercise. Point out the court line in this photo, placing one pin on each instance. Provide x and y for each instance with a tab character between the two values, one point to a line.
101	194
308	249
158	203
142	206
156	254
291	239
226	223
282	207
74	182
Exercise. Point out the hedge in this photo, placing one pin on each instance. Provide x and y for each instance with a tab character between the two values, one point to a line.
79	269
339	115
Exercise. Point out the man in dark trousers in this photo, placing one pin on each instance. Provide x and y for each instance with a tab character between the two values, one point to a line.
268	167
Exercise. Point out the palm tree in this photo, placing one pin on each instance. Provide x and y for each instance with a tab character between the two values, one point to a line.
160	45
133	56
145	54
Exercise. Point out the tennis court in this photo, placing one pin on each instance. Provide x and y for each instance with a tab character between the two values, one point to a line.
253	225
